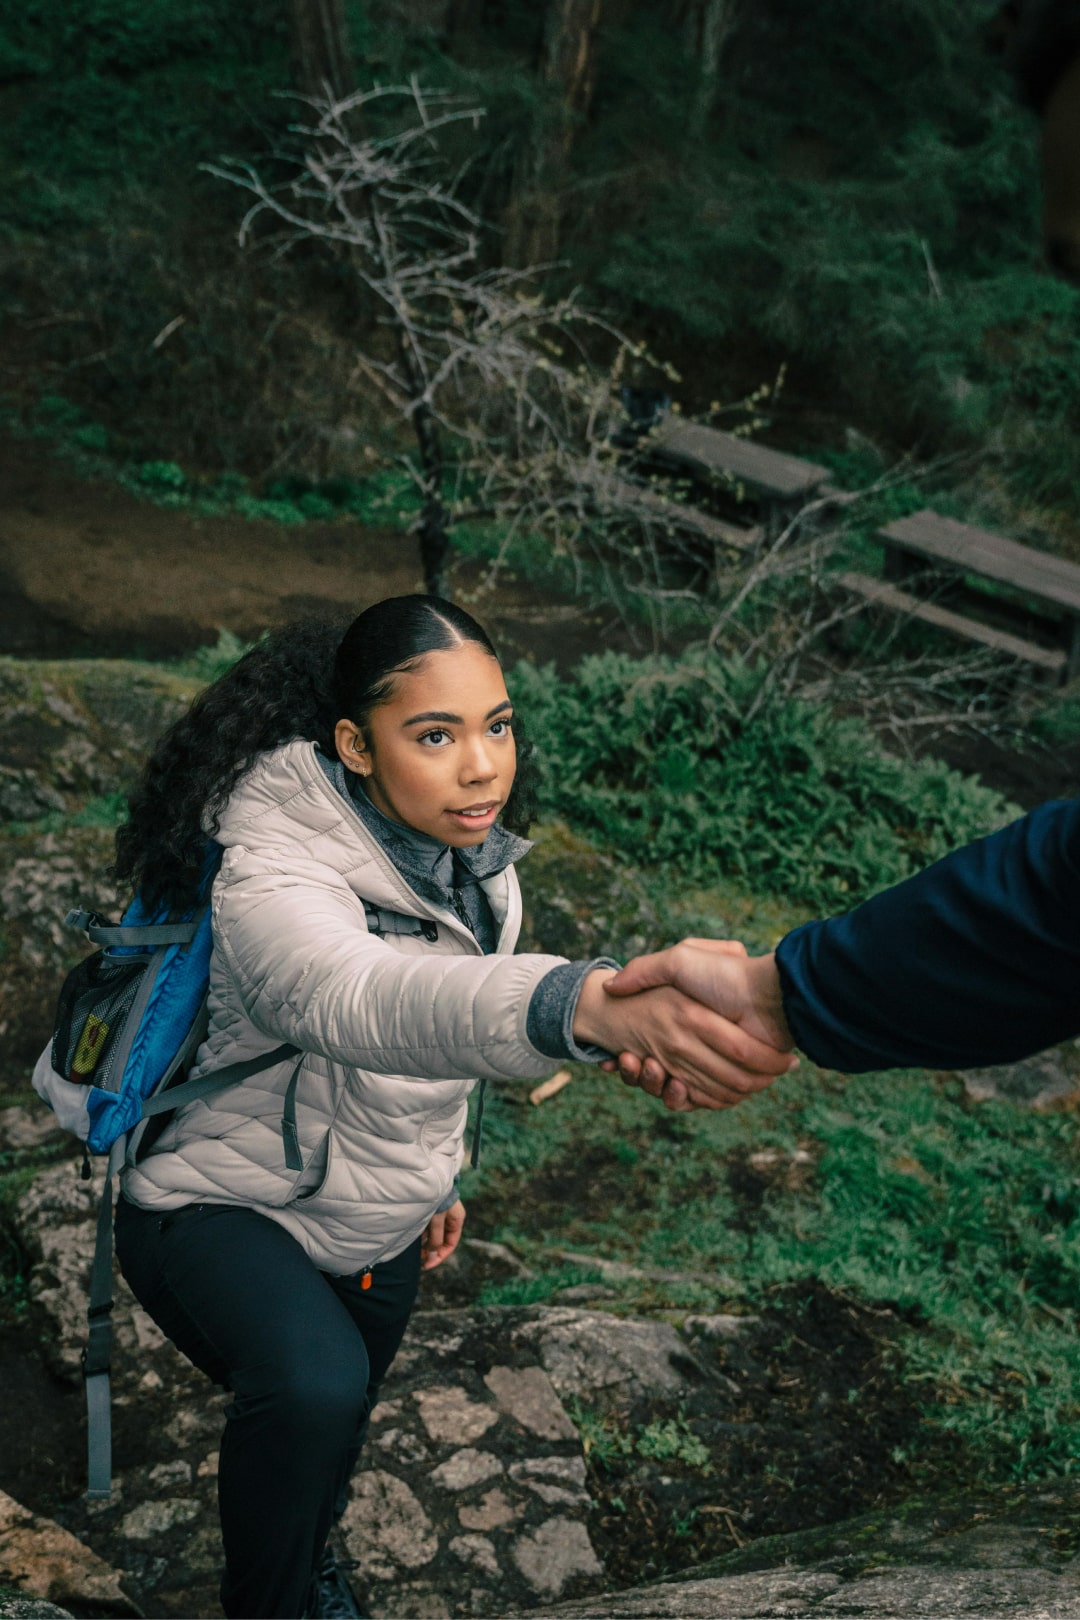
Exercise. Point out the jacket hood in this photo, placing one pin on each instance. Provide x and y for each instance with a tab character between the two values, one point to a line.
286	801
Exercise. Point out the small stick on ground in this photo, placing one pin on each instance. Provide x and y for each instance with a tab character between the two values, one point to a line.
550	1087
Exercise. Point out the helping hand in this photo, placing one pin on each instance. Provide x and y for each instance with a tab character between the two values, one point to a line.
744	990
441	1236
713	1063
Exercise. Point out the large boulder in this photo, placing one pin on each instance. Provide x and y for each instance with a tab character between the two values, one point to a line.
44	1562
73	729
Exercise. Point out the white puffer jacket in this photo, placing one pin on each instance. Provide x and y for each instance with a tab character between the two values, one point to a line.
396	1030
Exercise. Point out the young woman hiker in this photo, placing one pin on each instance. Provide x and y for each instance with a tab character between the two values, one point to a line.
365	911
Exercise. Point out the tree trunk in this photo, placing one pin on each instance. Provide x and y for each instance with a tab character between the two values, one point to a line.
709	25
432	529
319	42
434	549
567	72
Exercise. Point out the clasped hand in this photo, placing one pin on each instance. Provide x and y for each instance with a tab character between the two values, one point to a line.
700	1025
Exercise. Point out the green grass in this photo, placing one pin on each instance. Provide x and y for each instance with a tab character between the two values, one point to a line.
964	1218
537	1289
384	498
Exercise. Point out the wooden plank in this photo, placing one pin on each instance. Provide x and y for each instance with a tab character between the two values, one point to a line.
703	523
1049	579
882	594
708	451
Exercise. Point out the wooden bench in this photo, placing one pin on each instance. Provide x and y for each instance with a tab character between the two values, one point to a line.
777	484
656	507
718	532
879	593
929	553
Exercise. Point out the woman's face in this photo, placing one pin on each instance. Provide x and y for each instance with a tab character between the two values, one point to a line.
439	754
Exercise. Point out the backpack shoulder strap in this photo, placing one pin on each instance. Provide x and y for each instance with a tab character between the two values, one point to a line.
217	1079
100	932
97	1356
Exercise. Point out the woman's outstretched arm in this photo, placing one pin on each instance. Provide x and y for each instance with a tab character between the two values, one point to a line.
307	972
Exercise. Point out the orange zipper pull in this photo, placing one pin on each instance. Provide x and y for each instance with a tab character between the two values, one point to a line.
365	1278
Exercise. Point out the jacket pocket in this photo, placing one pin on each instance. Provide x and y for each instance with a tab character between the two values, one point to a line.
315	1174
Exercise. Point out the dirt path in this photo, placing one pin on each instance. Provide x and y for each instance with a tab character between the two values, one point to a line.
87	569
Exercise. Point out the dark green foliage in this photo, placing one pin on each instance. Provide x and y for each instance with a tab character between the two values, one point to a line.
862	203
110	92
865	206
657	759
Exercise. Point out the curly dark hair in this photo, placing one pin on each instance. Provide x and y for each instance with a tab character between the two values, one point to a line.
298	681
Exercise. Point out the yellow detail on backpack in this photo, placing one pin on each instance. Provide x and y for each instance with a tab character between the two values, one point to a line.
89	1049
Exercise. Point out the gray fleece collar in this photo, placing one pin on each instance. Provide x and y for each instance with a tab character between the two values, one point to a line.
431	868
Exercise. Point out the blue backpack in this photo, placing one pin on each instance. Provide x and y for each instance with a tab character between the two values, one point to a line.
130	1019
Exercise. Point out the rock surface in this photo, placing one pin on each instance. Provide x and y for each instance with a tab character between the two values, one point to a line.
13	1607
579	903
1049	1080
72	732
472	1495
584	1352
47	1563
475	1496
988	1559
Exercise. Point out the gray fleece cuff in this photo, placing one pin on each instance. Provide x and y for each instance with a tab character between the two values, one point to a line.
450	1200
550	1025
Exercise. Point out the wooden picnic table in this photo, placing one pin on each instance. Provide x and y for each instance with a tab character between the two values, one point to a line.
775	481
1052	582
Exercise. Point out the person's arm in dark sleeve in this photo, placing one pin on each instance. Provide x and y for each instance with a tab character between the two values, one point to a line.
974	961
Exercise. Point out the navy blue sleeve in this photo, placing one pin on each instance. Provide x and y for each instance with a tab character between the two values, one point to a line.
974	961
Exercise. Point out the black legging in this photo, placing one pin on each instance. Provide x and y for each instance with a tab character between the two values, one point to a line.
303	1354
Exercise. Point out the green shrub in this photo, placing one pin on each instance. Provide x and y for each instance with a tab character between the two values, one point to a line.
607	1442
159	478
655	759
209	663
673	1440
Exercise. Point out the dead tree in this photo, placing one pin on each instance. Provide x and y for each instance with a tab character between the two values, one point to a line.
473	368
512	401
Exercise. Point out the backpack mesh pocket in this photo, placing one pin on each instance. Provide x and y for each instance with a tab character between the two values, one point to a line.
94	1004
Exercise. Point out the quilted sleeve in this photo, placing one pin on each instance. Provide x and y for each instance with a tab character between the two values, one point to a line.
308	972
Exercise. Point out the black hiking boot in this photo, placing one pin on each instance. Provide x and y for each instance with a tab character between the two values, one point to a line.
332	1598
